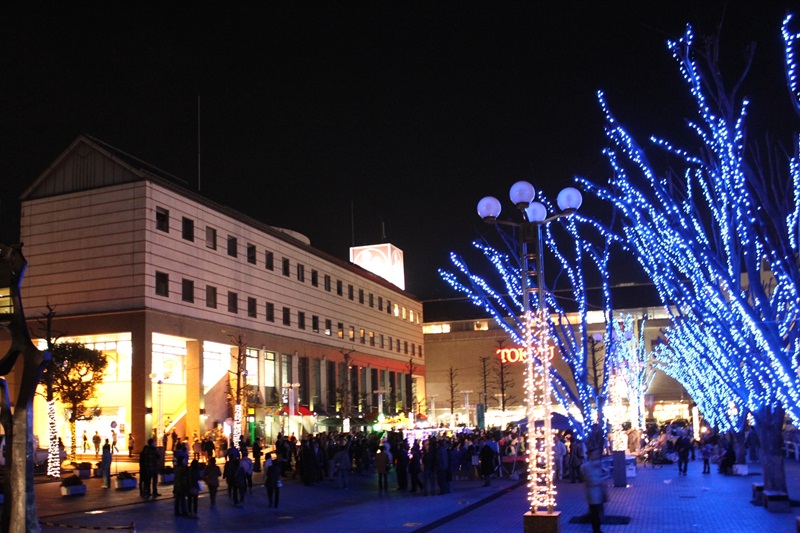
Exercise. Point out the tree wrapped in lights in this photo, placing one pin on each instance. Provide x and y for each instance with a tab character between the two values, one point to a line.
702	236
569	336
633	363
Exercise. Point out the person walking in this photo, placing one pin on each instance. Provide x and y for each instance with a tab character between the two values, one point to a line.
212	475
341	462
85	442
592	473
149	461
443	466
683	446
180	488
401	466
131	444
247	465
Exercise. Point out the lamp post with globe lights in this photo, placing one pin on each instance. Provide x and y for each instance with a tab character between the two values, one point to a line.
541	487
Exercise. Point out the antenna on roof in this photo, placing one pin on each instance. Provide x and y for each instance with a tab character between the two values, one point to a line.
352	224
383	231
198	143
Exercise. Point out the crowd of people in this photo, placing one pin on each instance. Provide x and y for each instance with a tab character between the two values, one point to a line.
427	467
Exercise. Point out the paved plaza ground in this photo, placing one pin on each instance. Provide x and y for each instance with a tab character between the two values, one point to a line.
656	500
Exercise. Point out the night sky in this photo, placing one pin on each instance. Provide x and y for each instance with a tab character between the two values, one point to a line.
397	115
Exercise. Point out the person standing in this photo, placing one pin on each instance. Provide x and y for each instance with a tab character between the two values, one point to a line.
180	488
96	440
114	448
105	465
341	462
257	455
382	468
415	467
559	453
149	460
194	488
682	447
273	481
85	442
592	473
705	453
443	466
487	457
575	461
247	465
212	475
131	444
401	466
429	467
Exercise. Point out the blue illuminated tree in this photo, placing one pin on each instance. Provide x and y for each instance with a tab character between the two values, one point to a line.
571	385
719	239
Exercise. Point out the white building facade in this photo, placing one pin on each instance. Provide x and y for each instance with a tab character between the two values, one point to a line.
199	308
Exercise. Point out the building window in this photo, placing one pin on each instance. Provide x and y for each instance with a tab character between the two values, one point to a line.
286	266
162	284
413	349
315	323
301	273
361	296
301	320
287	316
350	292
232	246
371	300
211	296
162	219
372	338
187	229
269	312
339	287
314	278
389	344
380	303
405	347
383	344
233	302
389	306
251	307
327	283
328	327
211	238
352	335
187	290
341	330
404	312
396	310
362	335
397	345
251	253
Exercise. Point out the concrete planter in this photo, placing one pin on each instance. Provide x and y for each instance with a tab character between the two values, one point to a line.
166	479
73	490
83	473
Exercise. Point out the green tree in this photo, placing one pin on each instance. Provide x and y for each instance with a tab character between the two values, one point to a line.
76	373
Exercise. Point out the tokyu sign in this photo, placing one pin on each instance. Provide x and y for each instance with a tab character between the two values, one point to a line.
517	355
512	355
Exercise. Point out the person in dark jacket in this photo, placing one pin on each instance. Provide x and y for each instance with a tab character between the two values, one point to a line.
273	481
487	457
443	466
401	466
415	467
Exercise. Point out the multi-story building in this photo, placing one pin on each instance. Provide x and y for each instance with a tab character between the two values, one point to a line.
199	307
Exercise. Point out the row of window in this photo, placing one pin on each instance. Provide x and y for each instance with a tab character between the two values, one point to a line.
188	233
364	337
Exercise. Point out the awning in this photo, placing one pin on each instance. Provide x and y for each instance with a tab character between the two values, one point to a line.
301	410
330	421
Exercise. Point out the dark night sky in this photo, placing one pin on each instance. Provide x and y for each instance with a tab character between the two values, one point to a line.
409	112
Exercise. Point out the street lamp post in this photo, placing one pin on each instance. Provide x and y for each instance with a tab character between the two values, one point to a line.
291	390
541	488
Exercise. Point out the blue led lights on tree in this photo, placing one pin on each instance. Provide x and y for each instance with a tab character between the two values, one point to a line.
719	239
567	328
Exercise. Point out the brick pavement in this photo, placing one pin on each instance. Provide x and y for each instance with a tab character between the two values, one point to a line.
656	500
